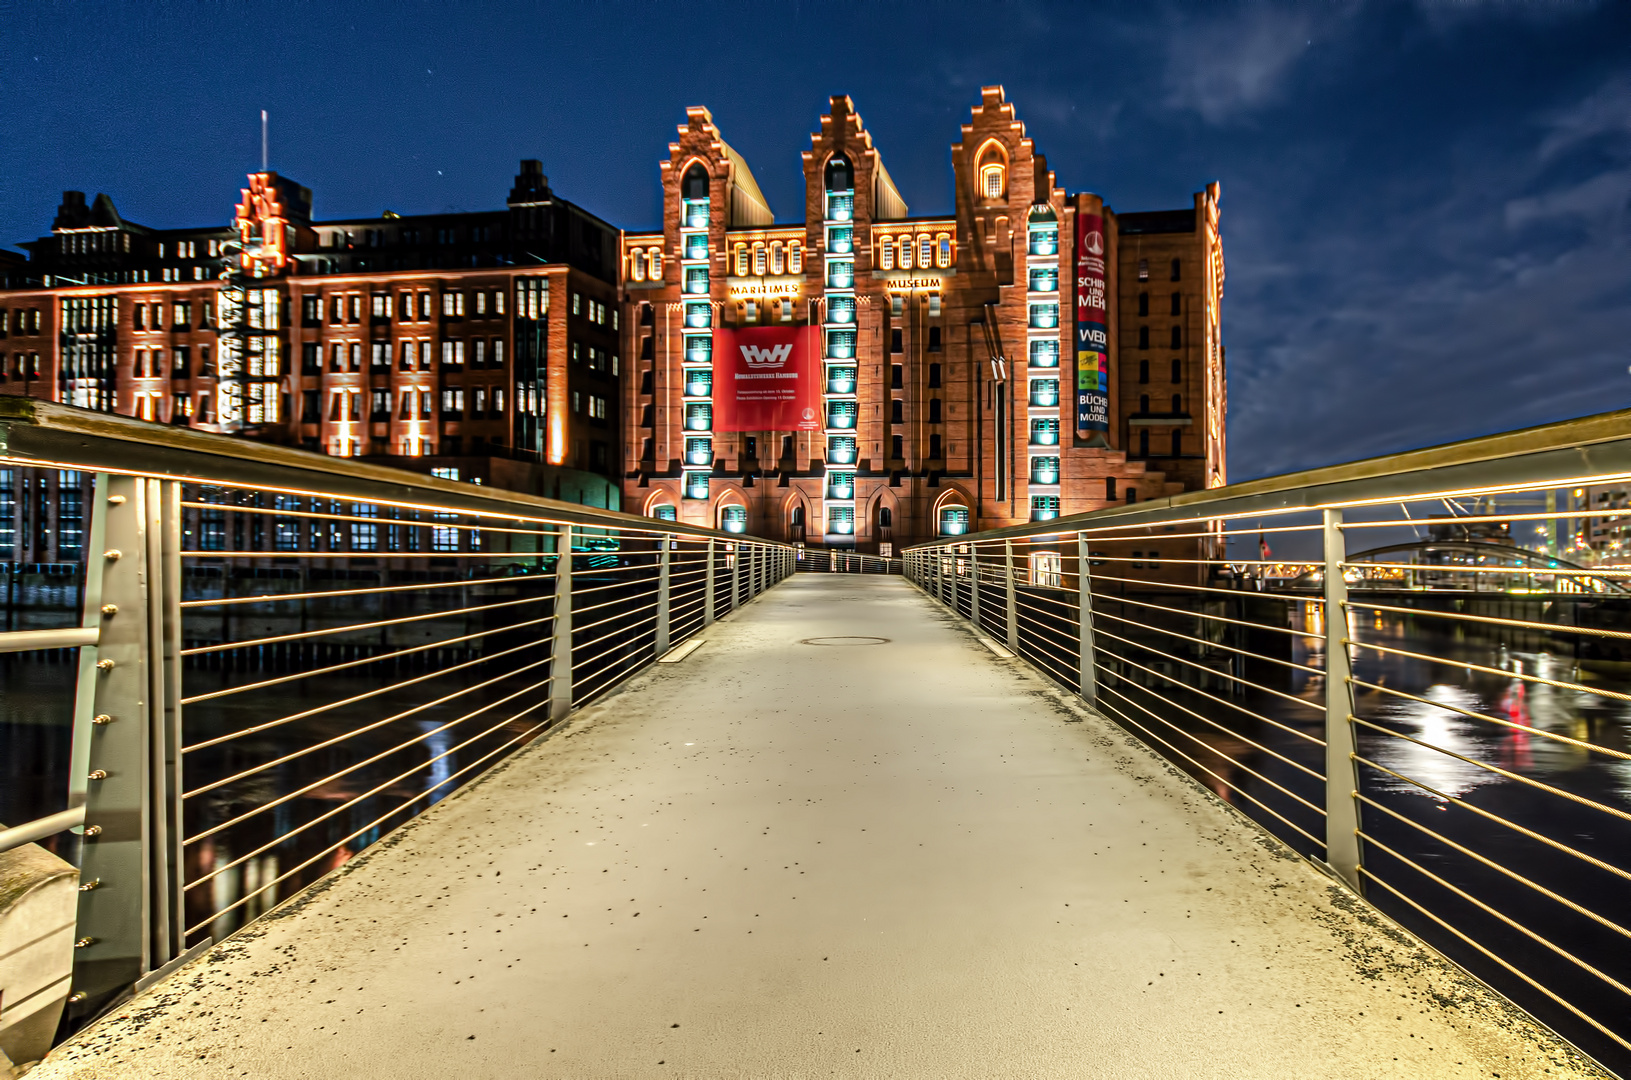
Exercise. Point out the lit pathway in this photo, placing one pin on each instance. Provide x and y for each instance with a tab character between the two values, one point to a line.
774	859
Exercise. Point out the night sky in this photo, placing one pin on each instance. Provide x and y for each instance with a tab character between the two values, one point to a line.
1427	208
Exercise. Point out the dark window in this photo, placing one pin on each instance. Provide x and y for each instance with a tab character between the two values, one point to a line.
1110	488
934	339
336	358
648	348
1177	338
798	516
895	343
1136	564
934	412
750	446
310	362
181	361
1143	337
934	448
896	376
1143	371
787	446
897	411
1143	403
1132	493
1177	270
897	448
1177	370
696	183
886	517
1143	303
934	375
1177	303
1177	444
646	381
839	176
308	310
1143	451
311	413
648	416
648	449
1177	403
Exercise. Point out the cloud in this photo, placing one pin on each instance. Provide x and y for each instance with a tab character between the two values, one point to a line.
1221	66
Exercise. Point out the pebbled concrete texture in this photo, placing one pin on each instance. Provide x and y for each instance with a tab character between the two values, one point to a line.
775	859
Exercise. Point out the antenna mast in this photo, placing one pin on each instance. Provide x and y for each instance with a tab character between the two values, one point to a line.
263	140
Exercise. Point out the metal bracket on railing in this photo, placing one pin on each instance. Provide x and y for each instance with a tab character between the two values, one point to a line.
127	743
666	542
1341	776
560	640
1012	598
1087	670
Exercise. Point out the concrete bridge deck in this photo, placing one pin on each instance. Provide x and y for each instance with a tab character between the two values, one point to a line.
780	859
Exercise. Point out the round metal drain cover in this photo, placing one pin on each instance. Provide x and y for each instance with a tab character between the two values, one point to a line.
844	640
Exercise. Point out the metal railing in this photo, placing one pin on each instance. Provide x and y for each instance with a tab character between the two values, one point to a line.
831	561
282	656
1456	751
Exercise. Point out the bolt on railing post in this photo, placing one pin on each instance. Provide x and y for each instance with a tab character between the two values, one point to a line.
1012	598
1341	778
1087	672
708	588
662	595
129	920
560	641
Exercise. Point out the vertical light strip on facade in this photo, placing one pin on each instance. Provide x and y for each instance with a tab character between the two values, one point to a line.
1042	362
840	345
696	360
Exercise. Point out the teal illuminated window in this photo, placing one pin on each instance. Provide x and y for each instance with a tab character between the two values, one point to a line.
1044	279
953	520
696	485
1044	507
841	344
696	280
841	239
1044	470
840	380
1044	316
841	309
696	246
841	520
1045	353
1044	392
841	449
699	314
665	512
840	274
699	382
841	485
840	206
694	214
841	414
734	519
699	349
1045	432
1045	241
699	451
700	416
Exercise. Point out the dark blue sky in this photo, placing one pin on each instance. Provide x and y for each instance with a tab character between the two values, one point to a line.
1427	208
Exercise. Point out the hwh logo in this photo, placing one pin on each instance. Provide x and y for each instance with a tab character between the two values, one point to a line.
773	357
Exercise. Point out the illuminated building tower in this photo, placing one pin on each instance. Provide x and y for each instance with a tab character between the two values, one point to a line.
966	374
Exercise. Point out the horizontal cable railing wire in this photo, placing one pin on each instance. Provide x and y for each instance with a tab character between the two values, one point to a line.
1377	665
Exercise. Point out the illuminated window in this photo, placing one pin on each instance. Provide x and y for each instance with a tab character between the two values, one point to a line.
795	258
741	260
953	520
664	512
759	259
886	254
637	265
942	255
734	519
925	252
655	258
777	258
1143	269
991	181
906	253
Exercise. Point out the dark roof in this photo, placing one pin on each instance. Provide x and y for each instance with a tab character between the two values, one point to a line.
1156	221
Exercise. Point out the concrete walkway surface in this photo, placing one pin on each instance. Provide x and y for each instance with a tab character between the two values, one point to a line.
886	854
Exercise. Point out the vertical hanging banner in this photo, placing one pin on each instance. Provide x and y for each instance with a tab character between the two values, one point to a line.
1092	327
765	379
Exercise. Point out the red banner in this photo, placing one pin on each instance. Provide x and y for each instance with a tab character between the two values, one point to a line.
766	378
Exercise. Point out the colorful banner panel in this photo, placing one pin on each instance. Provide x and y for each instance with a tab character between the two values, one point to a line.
766	378
1092	327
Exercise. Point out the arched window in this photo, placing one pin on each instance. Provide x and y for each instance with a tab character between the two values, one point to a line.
925	251
839	176
906	253
886	254
733	519
777	261
942	257
993	167
741	260
655	258
759	259
886	518
798	516
637	265
695	185
795	258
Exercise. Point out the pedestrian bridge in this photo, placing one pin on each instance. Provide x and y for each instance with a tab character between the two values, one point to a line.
851	824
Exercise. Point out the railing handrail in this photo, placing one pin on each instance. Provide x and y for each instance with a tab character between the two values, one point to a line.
40	828
48	434
1557	454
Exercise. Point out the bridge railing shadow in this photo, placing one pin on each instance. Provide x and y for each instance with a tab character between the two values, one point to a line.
1441	721
268	659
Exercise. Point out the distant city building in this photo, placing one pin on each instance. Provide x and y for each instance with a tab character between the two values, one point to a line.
1030	354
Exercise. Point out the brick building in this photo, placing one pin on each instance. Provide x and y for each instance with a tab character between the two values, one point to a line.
947	347
481	345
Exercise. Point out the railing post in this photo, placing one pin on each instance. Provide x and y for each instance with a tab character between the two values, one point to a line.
708	588
662	595
951	552
1341	778
129	921
1012	600
1087	672
736	574
560	641
974	584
